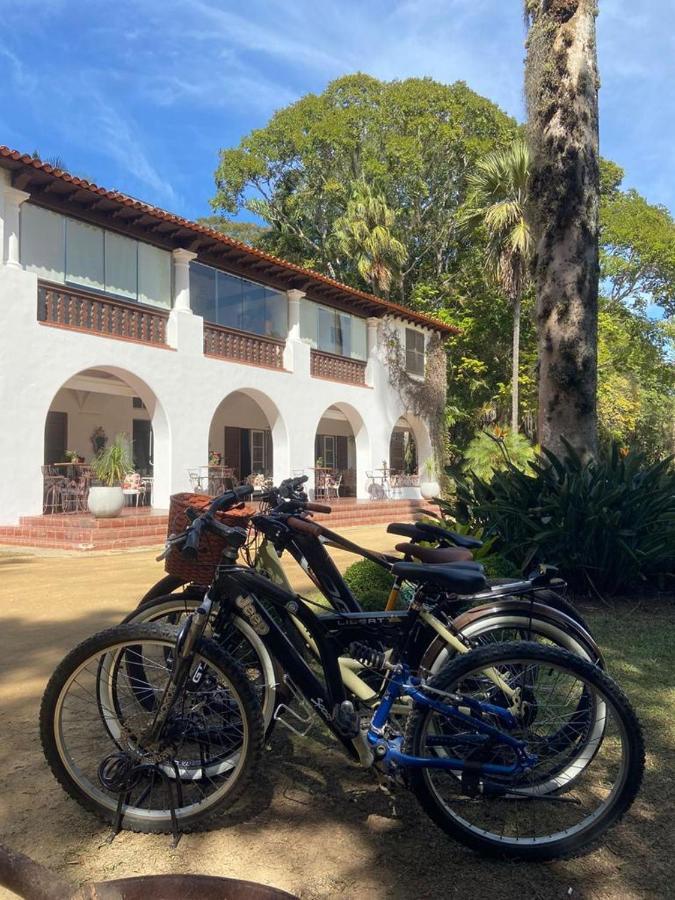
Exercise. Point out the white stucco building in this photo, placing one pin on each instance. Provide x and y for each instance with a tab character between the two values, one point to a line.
119	317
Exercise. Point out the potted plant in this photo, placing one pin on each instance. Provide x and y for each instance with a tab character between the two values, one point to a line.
215	458
71	456
111	465
429	486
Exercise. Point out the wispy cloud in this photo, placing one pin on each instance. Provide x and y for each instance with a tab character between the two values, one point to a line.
144	94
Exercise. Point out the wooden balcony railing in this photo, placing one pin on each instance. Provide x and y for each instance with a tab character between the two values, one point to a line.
256	349
337	368
65	307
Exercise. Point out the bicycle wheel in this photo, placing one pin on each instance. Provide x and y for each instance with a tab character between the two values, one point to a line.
575	790
238	640
98	744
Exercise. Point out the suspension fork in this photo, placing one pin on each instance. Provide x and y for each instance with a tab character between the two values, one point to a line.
188	638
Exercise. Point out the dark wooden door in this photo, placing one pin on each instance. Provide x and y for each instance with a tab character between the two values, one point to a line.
142	446
232	445
56	437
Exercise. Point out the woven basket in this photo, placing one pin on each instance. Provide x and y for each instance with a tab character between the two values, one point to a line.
203	569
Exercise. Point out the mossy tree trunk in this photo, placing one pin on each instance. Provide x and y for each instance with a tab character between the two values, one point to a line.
562	99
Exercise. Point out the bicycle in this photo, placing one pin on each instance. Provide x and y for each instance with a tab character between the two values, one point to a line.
513	611
502	749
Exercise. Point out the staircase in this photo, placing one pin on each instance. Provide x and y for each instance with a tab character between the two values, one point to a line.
147	527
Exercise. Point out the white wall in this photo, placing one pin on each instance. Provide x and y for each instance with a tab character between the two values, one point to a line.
182	390
86	411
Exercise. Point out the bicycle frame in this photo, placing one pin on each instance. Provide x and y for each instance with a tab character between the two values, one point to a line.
246	586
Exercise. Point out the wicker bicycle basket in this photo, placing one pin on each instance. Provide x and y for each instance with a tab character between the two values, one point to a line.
201	570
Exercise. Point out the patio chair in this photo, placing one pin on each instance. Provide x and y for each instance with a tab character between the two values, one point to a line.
131	488
53	483
146	491
332	485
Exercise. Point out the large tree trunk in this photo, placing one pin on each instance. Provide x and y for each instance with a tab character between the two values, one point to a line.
515	387
562	98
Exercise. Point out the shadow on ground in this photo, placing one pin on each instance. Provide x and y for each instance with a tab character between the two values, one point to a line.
314	823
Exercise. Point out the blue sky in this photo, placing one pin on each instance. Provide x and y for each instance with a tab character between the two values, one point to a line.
139	96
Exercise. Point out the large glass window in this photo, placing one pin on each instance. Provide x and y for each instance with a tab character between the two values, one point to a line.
61	249
121	265
333	331
84	255
414	352
43	242
154	275
235	302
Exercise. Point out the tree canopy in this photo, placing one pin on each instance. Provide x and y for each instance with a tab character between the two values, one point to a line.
415	141
416	145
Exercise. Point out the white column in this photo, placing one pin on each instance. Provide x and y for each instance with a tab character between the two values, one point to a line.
185	331
12	198
181	278
296	354
373	325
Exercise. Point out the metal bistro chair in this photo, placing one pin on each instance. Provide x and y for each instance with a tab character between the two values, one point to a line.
53	484
132	487
332	485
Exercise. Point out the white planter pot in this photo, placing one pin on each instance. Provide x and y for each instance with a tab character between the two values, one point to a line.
105	502
430	489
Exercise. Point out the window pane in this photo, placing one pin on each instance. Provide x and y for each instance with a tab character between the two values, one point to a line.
359	339
229	300
414	355
121	265
203	291
276	314
344	334
326	329
154	275
84	254
43	247
254	307
308	322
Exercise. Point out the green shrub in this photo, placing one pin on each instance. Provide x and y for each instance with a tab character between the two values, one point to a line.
369	583
608	524
487	454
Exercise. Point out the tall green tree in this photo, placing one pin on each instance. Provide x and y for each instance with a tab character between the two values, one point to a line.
248	232
561	83
416	139
365	235
497	198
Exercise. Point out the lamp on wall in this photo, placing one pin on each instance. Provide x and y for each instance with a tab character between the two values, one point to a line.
98	439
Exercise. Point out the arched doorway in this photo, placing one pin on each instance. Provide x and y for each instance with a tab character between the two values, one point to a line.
341	449
248	439
85	415
403	456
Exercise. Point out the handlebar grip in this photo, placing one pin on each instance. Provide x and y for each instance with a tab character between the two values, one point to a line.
318	507
304	527
190	548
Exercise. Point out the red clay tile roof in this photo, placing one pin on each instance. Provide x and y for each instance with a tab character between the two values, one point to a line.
22	160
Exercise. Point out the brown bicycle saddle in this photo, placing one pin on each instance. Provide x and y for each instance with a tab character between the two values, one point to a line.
435	555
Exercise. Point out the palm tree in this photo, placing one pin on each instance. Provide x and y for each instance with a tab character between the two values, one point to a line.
561	85
364	235
497	191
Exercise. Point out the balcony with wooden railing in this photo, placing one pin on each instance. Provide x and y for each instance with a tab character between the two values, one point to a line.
241	346
337	368
76	310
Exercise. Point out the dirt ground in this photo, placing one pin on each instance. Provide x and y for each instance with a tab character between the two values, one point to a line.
315	824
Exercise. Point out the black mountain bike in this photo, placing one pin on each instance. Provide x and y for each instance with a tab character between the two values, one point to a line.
515	749
448	624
